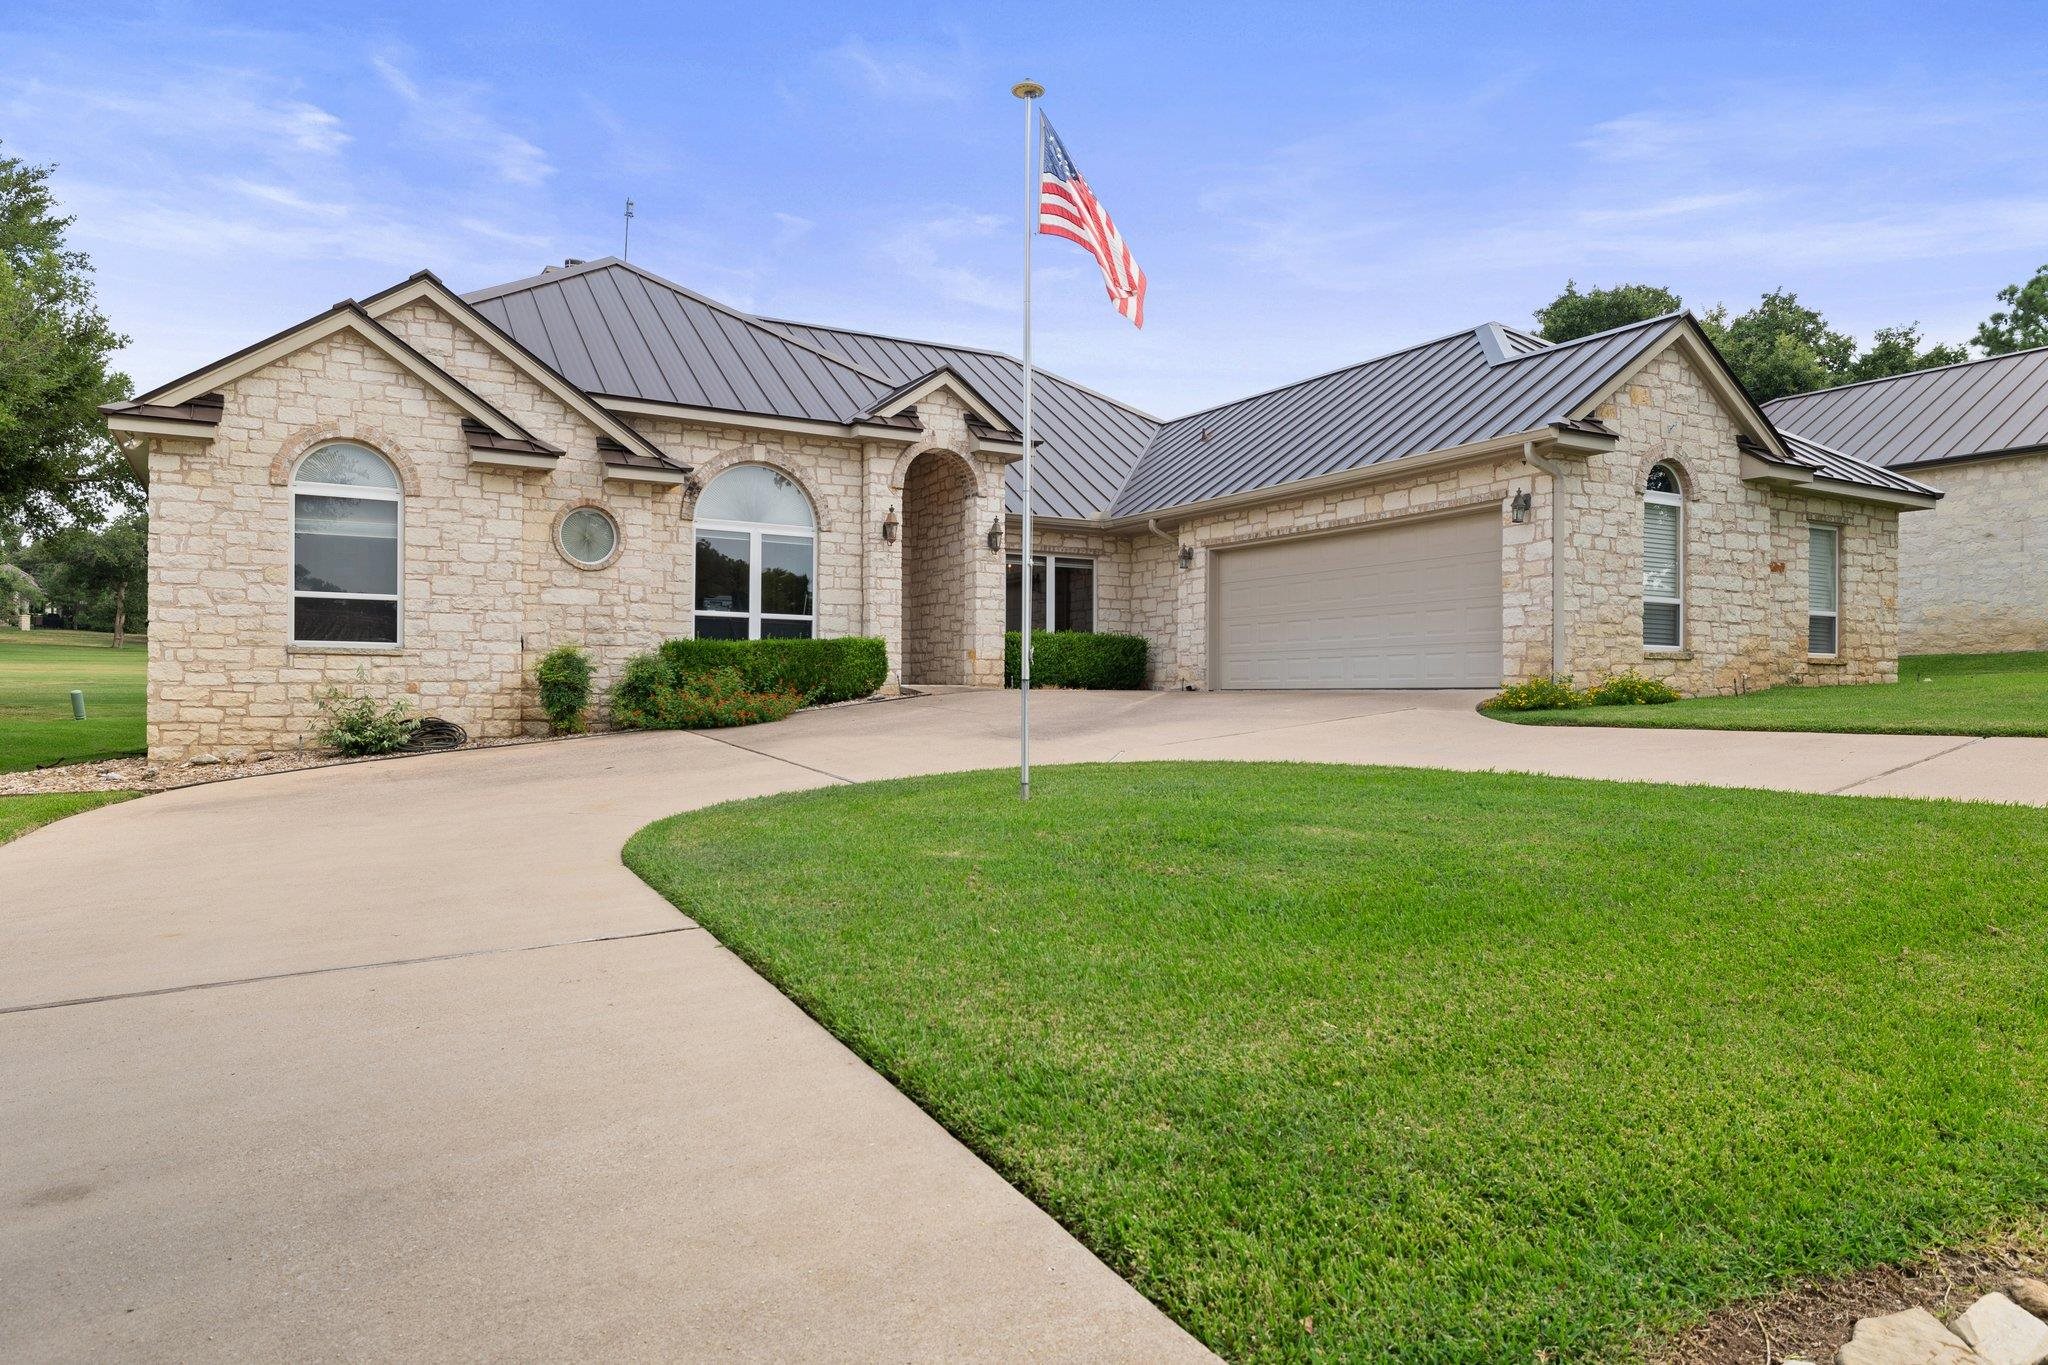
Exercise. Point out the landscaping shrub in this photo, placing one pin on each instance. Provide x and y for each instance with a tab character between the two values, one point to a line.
564	678
653	694
1631	689
1071	658
817	671
1537	694
353	724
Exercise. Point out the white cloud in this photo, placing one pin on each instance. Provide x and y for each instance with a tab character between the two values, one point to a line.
924	253
452	116
899	71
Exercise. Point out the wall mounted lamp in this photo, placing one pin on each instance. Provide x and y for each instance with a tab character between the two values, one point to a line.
1518	507
1187	556
889	525
995	534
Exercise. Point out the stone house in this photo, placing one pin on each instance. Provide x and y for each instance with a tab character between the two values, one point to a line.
419	493
1975	578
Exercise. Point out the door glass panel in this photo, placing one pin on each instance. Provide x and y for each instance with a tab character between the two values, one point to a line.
786	575
344	545
1074	589
722	574
721	627
1014	587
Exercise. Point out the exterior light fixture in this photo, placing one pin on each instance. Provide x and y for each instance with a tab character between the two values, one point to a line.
1187	556
889	525
995	534
1518	508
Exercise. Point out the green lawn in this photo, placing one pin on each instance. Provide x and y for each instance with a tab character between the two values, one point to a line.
38	669
1936	694
1351	1062
20	814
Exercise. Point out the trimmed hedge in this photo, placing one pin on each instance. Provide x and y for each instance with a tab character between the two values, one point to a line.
564	677
1072	658
650	695
819	671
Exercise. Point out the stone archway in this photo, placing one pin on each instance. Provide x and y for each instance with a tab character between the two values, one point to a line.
938	587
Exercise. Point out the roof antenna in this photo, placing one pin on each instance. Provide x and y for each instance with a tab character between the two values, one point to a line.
626	248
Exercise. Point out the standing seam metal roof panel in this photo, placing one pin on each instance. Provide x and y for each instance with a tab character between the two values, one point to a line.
1978	407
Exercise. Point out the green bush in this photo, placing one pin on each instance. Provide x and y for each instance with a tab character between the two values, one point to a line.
353	724
652	694
1631	689
1537	694
564	677
1072	658
817	671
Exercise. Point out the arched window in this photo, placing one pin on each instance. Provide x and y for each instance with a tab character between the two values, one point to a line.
345	547
757	548
1663	559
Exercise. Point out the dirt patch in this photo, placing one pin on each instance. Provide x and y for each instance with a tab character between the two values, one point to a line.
1813	1318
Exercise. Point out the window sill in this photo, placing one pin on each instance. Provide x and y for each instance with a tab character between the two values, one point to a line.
296	648
1826	661
1652	652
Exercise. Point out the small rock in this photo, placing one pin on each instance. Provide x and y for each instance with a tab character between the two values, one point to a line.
1914	1337
149	772
205	760
2003	1333
2030	1294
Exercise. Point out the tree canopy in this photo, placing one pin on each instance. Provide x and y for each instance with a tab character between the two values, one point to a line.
94	573
57	464
1574	314
2022	323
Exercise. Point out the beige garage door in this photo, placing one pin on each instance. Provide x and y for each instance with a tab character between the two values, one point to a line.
1405	606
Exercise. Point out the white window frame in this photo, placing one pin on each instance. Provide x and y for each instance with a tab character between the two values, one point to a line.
365	494
753	531
1051	567
1677	599
1835	539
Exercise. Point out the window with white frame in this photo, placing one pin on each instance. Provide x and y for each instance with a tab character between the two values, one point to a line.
1823	590
346	519
757	549
1062	591
1663	559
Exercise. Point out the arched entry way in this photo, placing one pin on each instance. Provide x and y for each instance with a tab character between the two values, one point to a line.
938	588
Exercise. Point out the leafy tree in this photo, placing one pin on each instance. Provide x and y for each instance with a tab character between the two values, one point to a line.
56	463
1781	346
1574	314
2023	322
1896	350
94	571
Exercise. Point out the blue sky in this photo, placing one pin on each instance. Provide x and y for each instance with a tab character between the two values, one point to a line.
1305	185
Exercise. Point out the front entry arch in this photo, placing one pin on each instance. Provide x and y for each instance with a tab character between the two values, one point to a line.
938	570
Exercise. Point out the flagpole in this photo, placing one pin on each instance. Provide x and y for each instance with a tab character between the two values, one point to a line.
1028	91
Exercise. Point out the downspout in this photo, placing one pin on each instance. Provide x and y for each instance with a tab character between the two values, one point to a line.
1558	667
1152	525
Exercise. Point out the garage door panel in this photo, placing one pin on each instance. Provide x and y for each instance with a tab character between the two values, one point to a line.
1409	606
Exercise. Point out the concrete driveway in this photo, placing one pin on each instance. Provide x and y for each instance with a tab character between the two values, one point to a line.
397	1059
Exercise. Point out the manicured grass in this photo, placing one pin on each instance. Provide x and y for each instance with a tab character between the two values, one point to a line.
1936	694
38	669
1355	1062
20	814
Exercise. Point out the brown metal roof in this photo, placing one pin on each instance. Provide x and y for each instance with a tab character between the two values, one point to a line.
1979	407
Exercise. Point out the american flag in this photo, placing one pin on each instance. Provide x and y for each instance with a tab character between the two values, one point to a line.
1068	208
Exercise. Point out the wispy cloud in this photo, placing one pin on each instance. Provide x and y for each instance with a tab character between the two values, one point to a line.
925	255
911	72
453	115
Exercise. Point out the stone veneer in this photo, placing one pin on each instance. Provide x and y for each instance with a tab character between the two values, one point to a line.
485	590
1973	576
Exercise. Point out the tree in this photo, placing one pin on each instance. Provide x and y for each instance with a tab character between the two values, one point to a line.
56	463
1781	346
93	571
1896	350
2023	323
1573	314
19	591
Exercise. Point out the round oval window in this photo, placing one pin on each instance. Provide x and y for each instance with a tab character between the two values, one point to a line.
588	536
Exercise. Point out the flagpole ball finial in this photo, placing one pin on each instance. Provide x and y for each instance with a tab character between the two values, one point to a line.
1027	90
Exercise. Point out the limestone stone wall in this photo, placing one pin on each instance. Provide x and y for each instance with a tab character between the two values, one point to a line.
937	568
485	587
1973	573
1745	550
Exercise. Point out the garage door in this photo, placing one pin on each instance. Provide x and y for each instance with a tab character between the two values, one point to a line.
1404	606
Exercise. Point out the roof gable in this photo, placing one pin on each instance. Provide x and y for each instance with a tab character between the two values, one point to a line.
907	396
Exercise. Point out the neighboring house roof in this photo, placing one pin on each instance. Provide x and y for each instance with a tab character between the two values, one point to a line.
1440	394
1085	443
1979	407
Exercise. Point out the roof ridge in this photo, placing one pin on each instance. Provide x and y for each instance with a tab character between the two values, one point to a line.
611	262
956	346
1601	335
1909	374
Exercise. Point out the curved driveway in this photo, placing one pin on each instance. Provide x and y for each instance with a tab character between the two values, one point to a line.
397	1058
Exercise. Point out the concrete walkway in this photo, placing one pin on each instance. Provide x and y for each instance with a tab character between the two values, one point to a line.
397	1059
